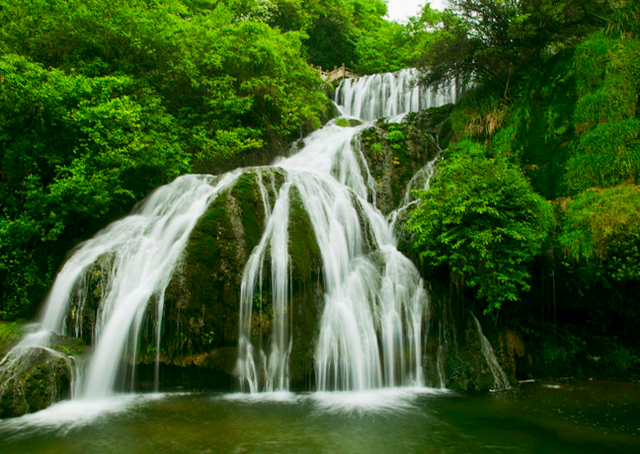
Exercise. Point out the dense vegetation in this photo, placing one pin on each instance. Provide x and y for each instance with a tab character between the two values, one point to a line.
553	110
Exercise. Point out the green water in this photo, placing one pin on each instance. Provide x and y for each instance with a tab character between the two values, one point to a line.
576	418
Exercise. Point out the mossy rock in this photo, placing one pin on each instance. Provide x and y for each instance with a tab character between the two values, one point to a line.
201	312
39	378
307	292
347	122
10	334
394	153
83	312
466	367
453	354
202	299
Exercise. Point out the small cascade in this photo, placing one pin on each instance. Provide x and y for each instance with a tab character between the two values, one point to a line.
275	242
500	379
390	95
421	180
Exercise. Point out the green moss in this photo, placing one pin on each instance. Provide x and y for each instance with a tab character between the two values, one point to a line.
347	122
203	298
10	333
306	289
41	378
70	346
303	247
396	140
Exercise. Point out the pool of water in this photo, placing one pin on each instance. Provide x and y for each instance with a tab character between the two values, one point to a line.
566	418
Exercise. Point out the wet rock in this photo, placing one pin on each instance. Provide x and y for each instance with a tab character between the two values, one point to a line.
455	356
33	379
396	151
513	355
202	301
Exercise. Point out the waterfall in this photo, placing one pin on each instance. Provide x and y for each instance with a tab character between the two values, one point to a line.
390	95
500	379
375	305
375	302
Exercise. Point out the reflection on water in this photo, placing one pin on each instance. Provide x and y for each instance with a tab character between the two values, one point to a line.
571	418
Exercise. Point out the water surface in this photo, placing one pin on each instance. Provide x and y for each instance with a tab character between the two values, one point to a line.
571	418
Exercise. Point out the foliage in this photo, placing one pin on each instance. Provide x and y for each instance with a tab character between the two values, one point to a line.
554	90
479	115
608	82
389	46
535	127
75	150
353	32
10	333
490	41
624	20
332	27
482	221
596	221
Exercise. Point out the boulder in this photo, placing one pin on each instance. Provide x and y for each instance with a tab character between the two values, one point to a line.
32	379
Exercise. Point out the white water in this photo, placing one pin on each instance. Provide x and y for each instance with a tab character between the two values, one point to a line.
135	258
375	303
390	95
500	379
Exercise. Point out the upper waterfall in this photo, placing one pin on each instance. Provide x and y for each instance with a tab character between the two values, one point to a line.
390	95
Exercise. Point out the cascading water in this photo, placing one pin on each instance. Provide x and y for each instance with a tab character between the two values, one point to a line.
370	328
390	95
500	380
135	258
375	304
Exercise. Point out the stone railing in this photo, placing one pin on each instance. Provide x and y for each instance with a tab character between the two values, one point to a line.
338	72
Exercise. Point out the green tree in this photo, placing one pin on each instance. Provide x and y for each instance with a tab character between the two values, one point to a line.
389	46
75	151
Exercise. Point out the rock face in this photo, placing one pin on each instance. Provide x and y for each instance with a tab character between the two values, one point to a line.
396	151
457	356
202	301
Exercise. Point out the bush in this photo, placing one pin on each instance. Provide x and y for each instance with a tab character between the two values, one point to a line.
481	220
